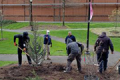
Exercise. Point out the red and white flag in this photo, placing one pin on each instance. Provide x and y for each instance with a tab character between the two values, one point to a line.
91	11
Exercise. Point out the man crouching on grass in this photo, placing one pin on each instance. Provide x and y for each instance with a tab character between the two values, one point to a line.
73	51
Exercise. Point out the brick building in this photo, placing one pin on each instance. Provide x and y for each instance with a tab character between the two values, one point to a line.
51	10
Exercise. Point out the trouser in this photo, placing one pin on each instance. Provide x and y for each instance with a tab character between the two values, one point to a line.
47	48
70	59
102	59
20	57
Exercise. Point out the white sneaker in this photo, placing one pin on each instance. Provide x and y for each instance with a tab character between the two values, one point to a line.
96	64
66	71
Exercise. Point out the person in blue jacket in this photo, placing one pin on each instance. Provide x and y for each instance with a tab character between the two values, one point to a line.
70	36
47	43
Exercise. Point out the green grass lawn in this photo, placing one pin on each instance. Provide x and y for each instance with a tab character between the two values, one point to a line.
92	25
83	25
7	46
19	25
81	36
58	48
5	63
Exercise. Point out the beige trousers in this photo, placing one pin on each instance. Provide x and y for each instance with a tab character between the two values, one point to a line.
47	48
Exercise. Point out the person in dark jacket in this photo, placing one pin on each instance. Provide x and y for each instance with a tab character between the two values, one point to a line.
101	47
73	52
47	43
23	39
70	36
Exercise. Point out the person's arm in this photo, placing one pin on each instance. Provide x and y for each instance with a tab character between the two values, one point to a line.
111	46
16	36
66	40
81	46
51	41
96	44
74	39
68	50
44	38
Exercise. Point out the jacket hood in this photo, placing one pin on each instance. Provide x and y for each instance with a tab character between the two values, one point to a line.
25	34
69	40
102	35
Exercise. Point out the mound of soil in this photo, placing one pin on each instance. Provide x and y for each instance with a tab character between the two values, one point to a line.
49	71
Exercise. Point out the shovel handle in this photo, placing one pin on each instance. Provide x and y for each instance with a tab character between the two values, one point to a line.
23	51
114	66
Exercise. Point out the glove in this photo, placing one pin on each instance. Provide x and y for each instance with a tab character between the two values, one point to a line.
15	44
24	49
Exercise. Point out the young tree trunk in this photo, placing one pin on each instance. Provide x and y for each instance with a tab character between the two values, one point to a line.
63	12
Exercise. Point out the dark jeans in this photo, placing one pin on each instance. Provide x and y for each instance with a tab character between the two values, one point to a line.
71	57
102	59
20	57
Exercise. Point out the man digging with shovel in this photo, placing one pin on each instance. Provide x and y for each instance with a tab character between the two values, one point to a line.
74	52
23	39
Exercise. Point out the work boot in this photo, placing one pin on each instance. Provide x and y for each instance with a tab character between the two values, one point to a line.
81	72
19	65
68	69
30	65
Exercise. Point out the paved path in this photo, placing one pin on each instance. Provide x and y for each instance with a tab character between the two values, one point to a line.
113	58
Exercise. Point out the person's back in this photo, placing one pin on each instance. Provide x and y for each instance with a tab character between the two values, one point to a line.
72	47
103	42
101	47
73	52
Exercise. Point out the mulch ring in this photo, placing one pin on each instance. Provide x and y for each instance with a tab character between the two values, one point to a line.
49	71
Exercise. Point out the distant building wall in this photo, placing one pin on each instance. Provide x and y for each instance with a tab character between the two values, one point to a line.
54	12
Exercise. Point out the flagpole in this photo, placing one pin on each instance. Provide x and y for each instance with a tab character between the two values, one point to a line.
88	28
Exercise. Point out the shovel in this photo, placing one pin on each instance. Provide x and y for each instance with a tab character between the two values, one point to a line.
23	51
115	65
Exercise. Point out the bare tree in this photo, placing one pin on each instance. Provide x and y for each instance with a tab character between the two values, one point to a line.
1	21
63	12
115	17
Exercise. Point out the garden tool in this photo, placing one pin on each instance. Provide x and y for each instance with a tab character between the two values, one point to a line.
22	50
114	65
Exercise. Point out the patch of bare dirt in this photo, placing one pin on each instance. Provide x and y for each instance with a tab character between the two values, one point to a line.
45	27
111	32
49	71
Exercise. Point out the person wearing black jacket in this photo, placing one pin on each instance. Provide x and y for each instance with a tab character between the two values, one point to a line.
72	37
101	47
23	39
